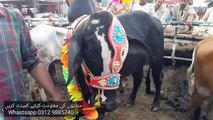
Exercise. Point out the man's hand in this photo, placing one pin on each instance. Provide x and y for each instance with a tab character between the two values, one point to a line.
189	23
40	74
99	9
57	97
190	19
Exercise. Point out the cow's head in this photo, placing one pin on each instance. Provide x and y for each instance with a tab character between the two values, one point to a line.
101	44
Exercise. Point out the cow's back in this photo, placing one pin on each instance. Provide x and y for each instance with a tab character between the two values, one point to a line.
136	24
144	28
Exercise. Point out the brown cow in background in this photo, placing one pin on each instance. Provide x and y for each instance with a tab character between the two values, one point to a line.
200	76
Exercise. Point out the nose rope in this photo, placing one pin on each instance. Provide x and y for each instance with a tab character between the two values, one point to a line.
98	103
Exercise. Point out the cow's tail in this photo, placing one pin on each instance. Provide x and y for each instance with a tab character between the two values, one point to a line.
190	74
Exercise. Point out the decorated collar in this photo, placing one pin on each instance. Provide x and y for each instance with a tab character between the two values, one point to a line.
75	25
118	40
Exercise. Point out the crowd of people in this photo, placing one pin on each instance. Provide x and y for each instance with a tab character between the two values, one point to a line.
183	11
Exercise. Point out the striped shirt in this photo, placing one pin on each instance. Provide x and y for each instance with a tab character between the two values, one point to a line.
17	52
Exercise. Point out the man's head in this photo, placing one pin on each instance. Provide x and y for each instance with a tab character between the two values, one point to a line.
142	2
210	4
159	2
190	2
183	3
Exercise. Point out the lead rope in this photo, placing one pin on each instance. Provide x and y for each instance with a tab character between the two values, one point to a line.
98	103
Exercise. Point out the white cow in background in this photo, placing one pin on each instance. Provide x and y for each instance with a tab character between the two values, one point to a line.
48	40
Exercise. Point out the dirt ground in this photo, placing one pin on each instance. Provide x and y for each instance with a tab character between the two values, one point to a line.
173	99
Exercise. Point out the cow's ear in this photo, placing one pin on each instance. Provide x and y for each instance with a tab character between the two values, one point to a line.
75	55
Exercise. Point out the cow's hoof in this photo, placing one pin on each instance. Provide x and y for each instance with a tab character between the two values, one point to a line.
150	92
121	91
188	116
155	109
129	103
155	106
101	116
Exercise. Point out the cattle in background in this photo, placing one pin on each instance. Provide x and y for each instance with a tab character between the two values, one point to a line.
48	40
200	77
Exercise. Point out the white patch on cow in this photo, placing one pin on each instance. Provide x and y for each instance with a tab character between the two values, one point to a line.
203	91
191	84
190	75
106	56
95	21
105	53
103	97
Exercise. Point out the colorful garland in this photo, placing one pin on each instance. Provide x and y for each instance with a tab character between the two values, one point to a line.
73	90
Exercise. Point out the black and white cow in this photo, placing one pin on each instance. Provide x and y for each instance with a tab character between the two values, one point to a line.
90	43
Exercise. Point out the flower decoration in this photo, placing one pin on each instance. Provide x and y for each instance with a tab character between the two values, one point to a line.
74	91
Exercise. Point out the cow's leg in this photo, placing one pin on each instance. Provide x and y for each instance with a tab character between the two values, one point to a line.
197	112
196	101
101	114
210	115
52	70
156	73
122	84
137	79
210	110
190	75
148	83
